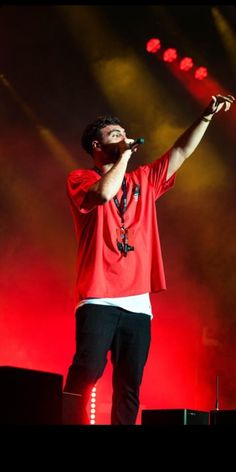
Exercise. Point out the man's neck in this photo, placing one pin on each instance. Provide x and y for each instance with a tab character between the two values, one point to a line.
104	168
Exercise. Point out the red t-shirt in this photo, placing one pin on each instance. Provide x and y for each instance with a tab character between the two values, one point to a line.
102	271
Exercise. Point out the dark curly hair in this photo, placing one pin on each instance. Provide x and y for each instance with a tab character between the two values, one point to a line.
92	131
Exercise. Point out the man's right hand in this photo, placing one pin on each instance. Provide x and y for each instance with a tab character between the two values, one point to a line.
126	148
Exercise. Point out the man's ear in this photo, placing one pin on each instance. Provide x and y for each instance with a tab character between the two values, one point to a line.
96	145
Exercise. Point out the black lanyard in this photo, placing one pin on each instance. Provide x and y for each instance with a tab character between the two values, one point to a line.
121	206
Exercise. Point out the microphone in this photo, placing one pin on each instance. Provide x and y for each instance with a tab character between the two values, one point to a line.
136	142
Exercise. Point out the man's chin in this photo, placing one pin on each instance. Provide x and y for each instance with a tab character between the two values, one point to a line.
112	153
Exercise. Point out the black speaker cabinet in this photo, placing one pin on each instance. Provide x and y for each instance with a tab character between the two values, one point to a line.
73	409
175	417
222	417
29	397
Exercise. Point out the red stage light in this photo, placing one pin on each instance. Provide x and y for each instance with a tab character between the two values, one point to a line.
201	73
153	45
170	55
186	63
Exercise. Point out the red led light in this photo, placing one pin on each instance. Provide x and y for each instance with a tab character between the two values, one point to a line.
170	55
153	45
201	73
186	64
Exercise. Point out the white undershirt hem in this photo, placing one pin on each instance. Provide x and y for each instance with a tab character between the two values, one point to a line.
134	303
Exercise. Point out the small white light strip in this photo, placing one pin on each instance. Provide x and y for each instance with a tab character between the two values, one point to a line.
93	398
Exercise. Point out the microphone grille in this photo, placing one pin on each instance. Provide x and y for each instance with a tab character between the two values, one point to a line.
140	141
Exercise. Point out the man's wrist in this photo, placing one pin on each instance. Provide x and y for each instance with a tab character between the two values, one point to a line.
206	119
207	116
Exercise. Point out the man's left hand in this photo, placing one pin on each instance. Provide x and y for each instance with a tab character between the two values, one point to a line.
218	102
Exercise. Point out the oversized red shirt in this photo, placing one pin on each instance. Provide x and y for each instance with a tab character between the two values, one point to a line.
102	271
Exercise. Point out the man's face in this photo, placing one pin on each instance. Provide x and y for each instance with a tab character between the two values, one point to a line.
112	141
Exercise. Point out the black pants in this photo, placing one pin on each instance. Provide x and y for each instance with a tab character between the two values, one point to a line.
99	329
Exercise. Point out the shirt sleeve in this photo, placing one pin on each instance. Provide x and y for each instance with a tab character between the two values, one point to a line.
77	185
156	173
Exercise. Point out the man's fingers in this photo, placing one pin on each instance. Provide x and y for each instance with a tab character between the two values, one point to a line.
219	106
225	98
231	97
220	101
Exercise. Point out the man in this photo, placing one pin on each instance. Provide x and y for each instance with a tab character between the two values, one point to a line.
119	259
